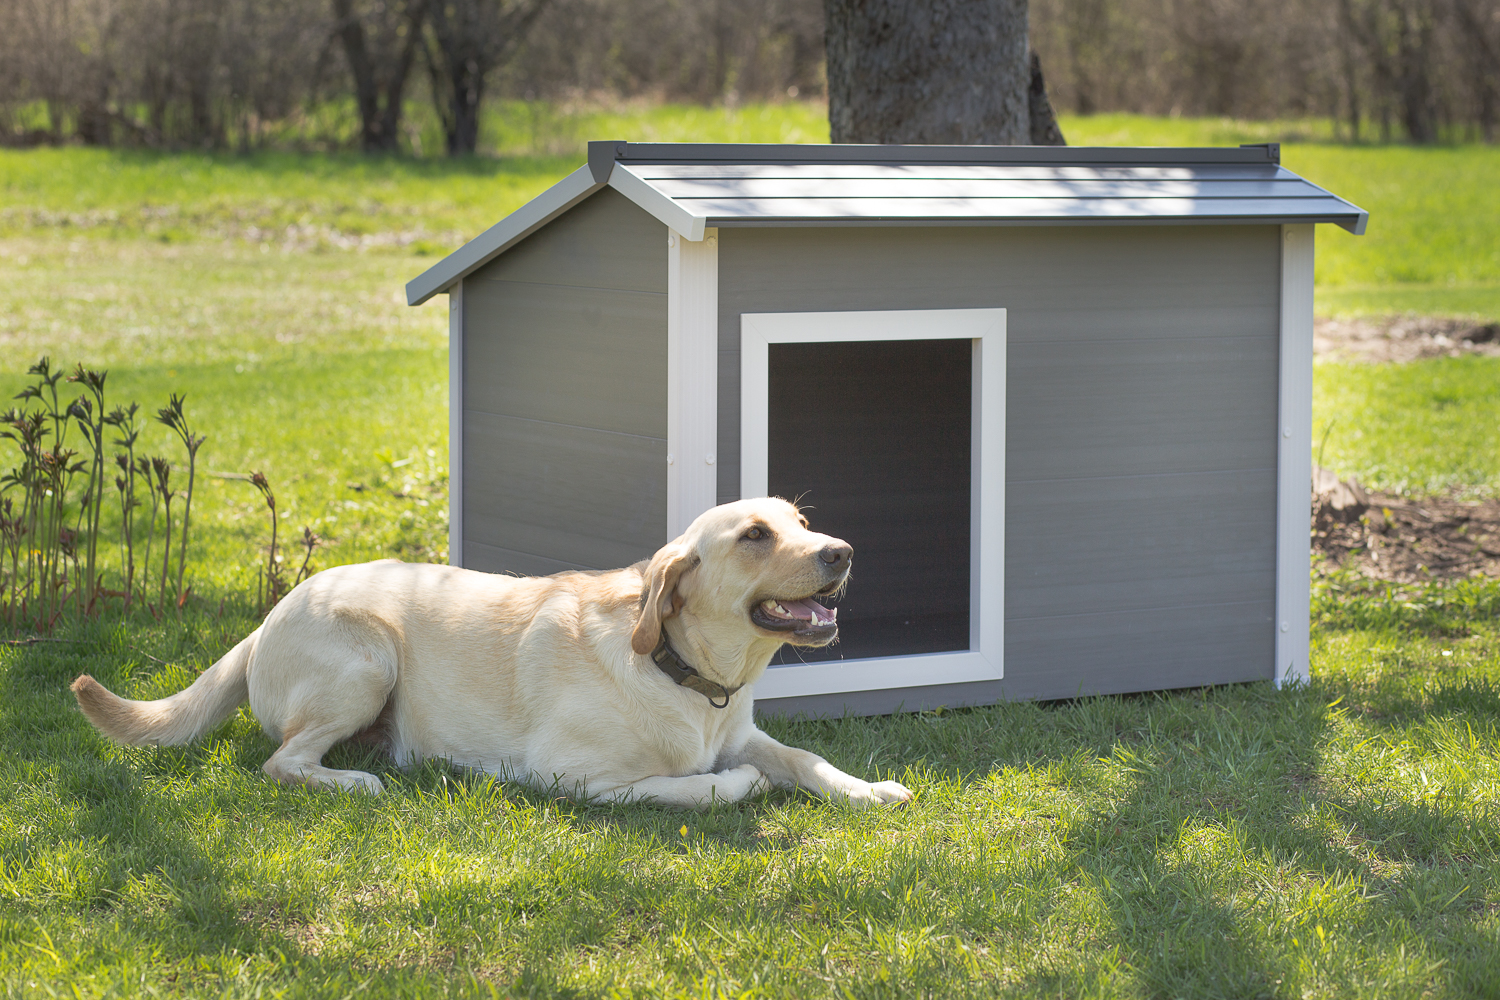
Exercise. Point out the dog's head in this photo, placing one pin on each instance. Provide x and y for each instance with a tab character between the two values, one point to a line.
745	574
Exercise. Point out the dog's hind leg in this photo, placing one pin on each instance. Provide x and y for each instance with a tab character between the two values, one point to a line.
300	760
312	695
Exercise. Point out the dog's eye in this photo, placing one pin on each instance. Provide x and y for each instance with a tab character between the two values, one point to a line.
755	534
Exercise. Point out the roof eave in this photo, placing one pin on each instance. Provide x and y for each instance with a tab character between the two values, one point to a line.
626	153
1354	221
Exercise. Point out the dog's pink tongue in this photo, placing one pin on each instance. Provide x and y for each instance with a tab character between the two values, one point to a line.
810	610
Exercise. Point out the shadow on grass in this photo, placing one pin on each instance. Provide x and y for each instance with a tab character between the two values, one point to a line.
1191	925
124	835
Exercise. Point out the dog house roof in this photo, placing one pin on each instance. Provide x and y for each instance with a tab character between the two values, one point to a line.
692	186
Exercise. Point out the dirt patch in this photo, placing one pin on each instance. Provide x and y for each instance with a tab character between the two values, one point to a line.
1388	537
1403	338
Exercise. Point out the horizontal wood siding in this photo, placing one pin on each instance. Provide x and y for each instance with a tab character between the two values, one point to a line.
1091	655
1141	432
581	365
565	408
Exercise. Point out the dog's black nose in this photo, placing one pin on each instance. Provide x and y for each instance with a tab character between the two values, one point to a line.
837	554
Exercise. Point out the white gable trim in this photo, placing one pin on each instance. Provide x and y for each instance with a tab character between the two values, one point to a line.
456	424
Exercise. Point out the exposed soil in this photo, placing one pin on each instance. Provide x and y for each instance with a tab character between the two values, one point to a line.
1390	537
1403	338
1407	541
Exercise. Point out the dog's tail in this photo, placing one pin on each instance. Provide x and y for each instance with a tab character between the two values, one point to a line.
178	719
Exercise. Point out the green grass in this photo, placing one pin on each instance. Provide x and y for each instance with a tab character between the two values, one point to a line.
1432	245
306	366
1419	428
335	200
1333	840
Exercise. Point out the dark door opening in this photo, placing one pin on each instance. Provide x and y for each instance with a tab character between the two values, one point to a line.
874	438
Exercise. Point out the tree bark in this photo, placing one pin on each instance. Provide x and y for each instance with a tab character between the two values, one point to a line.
936	71
1044	128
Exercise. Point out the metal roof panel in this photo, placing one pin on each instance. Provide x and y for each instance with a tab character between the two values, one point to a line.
683	188
725	211
690	186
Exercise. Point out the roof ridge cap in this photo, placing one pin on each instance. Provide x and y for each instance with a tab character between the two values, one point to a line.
707	152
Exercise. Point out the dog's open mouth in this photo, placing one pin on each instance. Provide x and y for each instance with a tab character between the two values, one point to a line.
808	622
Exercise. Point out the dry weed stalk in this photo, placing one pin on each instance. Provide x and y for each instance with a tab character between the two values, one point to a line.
271	585
123	419
162	470
173	417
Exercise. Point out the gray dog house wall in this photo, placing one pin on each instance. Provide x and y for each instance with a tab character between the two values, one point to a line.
1058	399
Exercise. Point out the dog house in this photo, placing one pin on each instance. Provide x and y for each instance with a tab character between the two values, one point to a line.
1058	399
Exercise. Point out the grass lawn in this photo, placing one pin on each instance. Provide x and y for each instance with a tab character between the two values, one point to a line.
1334	840
1424	427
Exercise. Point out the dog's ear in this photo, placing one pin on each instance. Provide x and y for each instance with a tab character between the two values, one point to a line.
659	598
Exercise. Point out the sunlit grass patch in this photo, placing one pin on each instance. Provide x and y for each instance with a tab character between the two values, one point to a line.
1420	427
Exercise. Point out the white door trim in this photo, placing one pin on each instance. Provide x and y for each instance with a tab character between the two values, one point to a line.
984	660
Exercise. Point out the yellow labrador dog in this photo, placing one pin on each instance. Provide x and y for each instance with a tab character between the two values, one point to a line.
633	684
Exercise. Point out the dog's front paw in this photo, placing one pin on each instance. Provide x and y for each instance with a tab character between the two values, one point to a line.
739	783
880	793
892	791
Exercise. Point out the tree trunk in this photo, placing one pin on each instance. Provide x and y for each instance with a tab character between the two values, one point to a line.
468	40
366	95
1415	57
380	70
1044	128
468	95
938	71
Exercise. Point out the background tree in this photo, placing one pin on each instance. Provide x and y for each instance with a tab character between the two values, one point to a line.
1478	23
334	73
380	40
467	41
942	71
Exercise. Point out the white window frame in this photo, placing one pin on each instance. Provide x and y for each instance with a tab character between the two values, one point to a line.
985	328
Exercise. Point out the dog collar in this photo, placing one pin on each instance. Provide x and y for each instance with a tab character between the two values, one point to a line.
669	662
